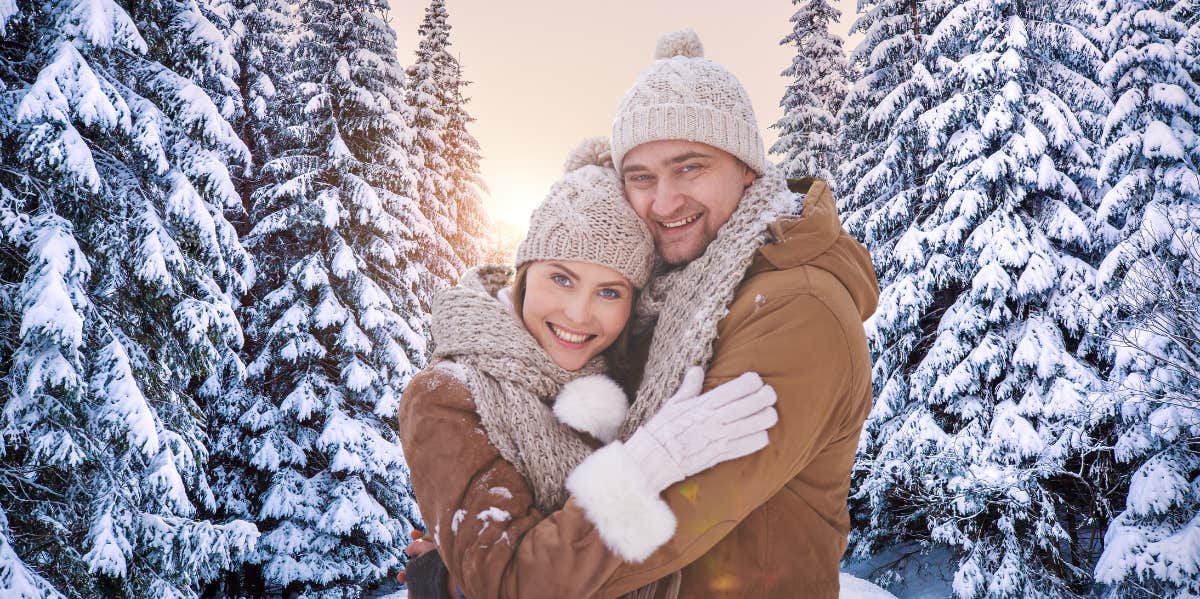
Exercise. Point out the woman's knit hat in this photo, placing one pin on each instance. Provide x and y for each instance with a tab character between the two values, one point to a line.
585	218
686	96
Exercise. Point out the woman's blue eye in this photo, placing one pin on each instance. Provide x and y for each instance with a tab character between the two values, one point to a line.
610	294
561	280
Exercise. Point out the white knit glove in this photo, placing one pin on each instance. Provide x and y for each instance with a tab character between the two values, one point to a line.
694	432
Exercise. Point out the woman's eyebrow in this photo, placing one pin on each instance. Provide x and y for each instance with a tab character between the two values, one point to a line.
569	272
618	283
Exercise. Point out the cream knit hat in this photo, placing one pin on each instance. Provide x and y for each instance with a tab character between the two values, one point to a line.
686	96
585	218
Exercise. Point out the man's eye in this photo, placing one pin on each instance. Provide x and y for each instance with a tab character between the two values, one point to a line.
639	178
687	168
612	294
561	280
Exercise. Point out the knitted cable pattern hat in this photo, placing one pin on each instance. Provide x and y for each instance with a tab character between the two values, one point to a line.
585	218
686	96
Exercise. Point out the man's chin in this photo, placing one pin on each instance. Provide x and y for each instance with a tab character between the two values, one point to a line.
679	254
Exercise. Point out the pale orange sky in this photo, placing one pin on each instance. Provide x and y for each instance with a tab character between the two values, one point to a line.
547	73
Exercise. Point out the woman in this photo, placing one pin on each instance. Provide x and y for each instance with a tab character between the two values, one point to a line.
489	455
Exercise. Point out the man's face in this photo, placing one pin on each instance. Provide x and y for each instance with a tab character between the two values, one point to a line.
684	191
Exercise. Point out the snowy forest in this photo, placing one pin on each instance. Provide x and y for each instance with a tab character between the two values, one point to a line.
222	222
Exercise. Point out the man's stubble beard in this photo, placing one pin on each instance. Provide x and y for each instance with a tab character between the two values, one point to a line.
684	253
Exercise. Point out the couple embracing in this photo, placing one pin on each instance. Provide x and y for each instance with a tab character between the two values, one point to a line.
665	398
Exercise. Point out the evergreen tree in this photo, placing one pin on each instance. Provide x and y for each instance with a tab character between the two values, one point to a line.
441	147
259	29
259	48
982	342
120	273
819	73
1150	282
465	184
334	328
17	580
881	198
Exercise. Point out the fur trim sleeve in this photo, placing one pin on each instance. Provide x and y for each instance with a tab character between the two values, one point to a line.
592	404
632	520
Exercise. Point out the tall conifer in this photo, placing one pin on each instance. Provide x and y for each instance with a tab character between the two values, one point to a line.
818	73
1150	282
334	332
121	273
983	360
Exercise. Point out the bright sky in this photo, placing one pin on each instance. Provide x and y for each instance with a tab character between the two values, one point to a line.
548	73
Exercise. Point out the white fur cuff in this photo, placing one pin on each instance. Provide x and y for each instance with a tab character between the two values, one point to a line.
632	520
593	404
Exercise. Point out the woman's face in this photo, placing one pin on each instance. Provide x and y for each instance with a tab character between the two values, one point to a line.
575	310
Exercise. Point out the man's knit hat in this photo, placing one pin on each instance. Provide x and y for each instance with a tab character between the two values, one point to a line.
686	96
585	218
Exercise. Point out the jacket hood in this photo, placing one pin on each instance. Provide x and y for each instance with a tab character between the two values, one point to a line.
816	238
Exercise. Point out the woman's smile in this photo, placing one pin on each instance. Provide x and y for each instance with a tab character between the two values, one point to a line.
568	337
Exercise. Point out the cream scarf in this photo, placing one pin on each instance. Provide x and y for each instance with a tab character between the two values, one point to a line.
511	379
685	305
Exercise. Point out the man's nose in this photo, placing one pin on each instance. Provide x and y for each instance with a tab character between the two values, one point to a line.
668	198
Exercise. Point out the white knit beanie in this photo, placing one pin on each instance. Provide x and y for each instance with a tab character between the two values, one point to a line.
585	218
686	96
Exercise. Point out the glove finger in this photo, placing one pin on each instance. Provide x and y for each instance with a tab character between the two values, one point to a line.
742	407
744	446
758	422
693	382
724	393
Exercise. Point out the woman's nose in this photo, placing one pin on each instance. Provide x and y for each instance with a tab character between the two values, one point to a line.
578	308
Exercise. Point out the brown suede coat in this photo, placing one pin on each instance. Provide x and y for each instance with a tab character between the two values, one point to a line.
772	524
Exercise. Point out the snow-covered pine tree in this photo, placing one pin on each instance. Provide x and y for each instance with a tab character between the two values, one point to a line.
260	29
333	330
429	99
258	33
1187	50
881	197
465	183
17	580
121	272
1150	282
982	415
819	74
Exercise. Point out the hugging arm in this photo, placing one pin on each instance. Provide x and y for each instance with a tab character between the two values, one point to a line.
810	381
494	542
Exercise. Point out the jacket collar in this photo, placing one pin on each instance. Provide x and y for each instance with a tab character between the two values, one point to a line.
815	237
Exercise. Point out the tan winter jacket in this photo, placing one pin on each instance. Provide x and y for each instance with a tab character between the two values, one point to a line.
775	523
772	524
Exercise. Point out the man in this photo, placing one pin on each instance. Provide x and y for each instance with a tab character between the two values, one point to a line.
773	524
746	287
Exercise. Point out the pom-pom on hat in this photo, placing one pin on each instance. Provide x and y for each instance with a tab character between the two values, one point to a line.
585	218
684	95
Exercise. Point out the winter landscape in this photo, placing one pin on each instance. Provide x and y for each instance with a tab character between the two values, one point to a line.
222	221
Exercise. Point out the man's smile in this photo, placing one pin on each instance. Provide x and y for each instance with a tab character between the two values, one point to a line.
675	224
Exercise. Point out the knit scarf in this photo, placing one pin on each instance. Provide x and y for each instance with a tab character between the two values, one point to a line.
685	305
511	379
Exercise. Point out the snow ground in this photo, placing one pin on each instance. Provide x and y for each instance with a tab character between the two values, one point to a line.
928	576
857	588
852	588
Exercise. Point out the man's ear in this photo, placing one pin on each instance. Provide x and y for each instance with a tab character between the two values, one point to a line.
749	176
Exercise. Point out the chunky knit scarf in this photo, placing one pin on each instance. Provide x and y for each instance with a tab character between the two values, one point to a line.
685	305
511	378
